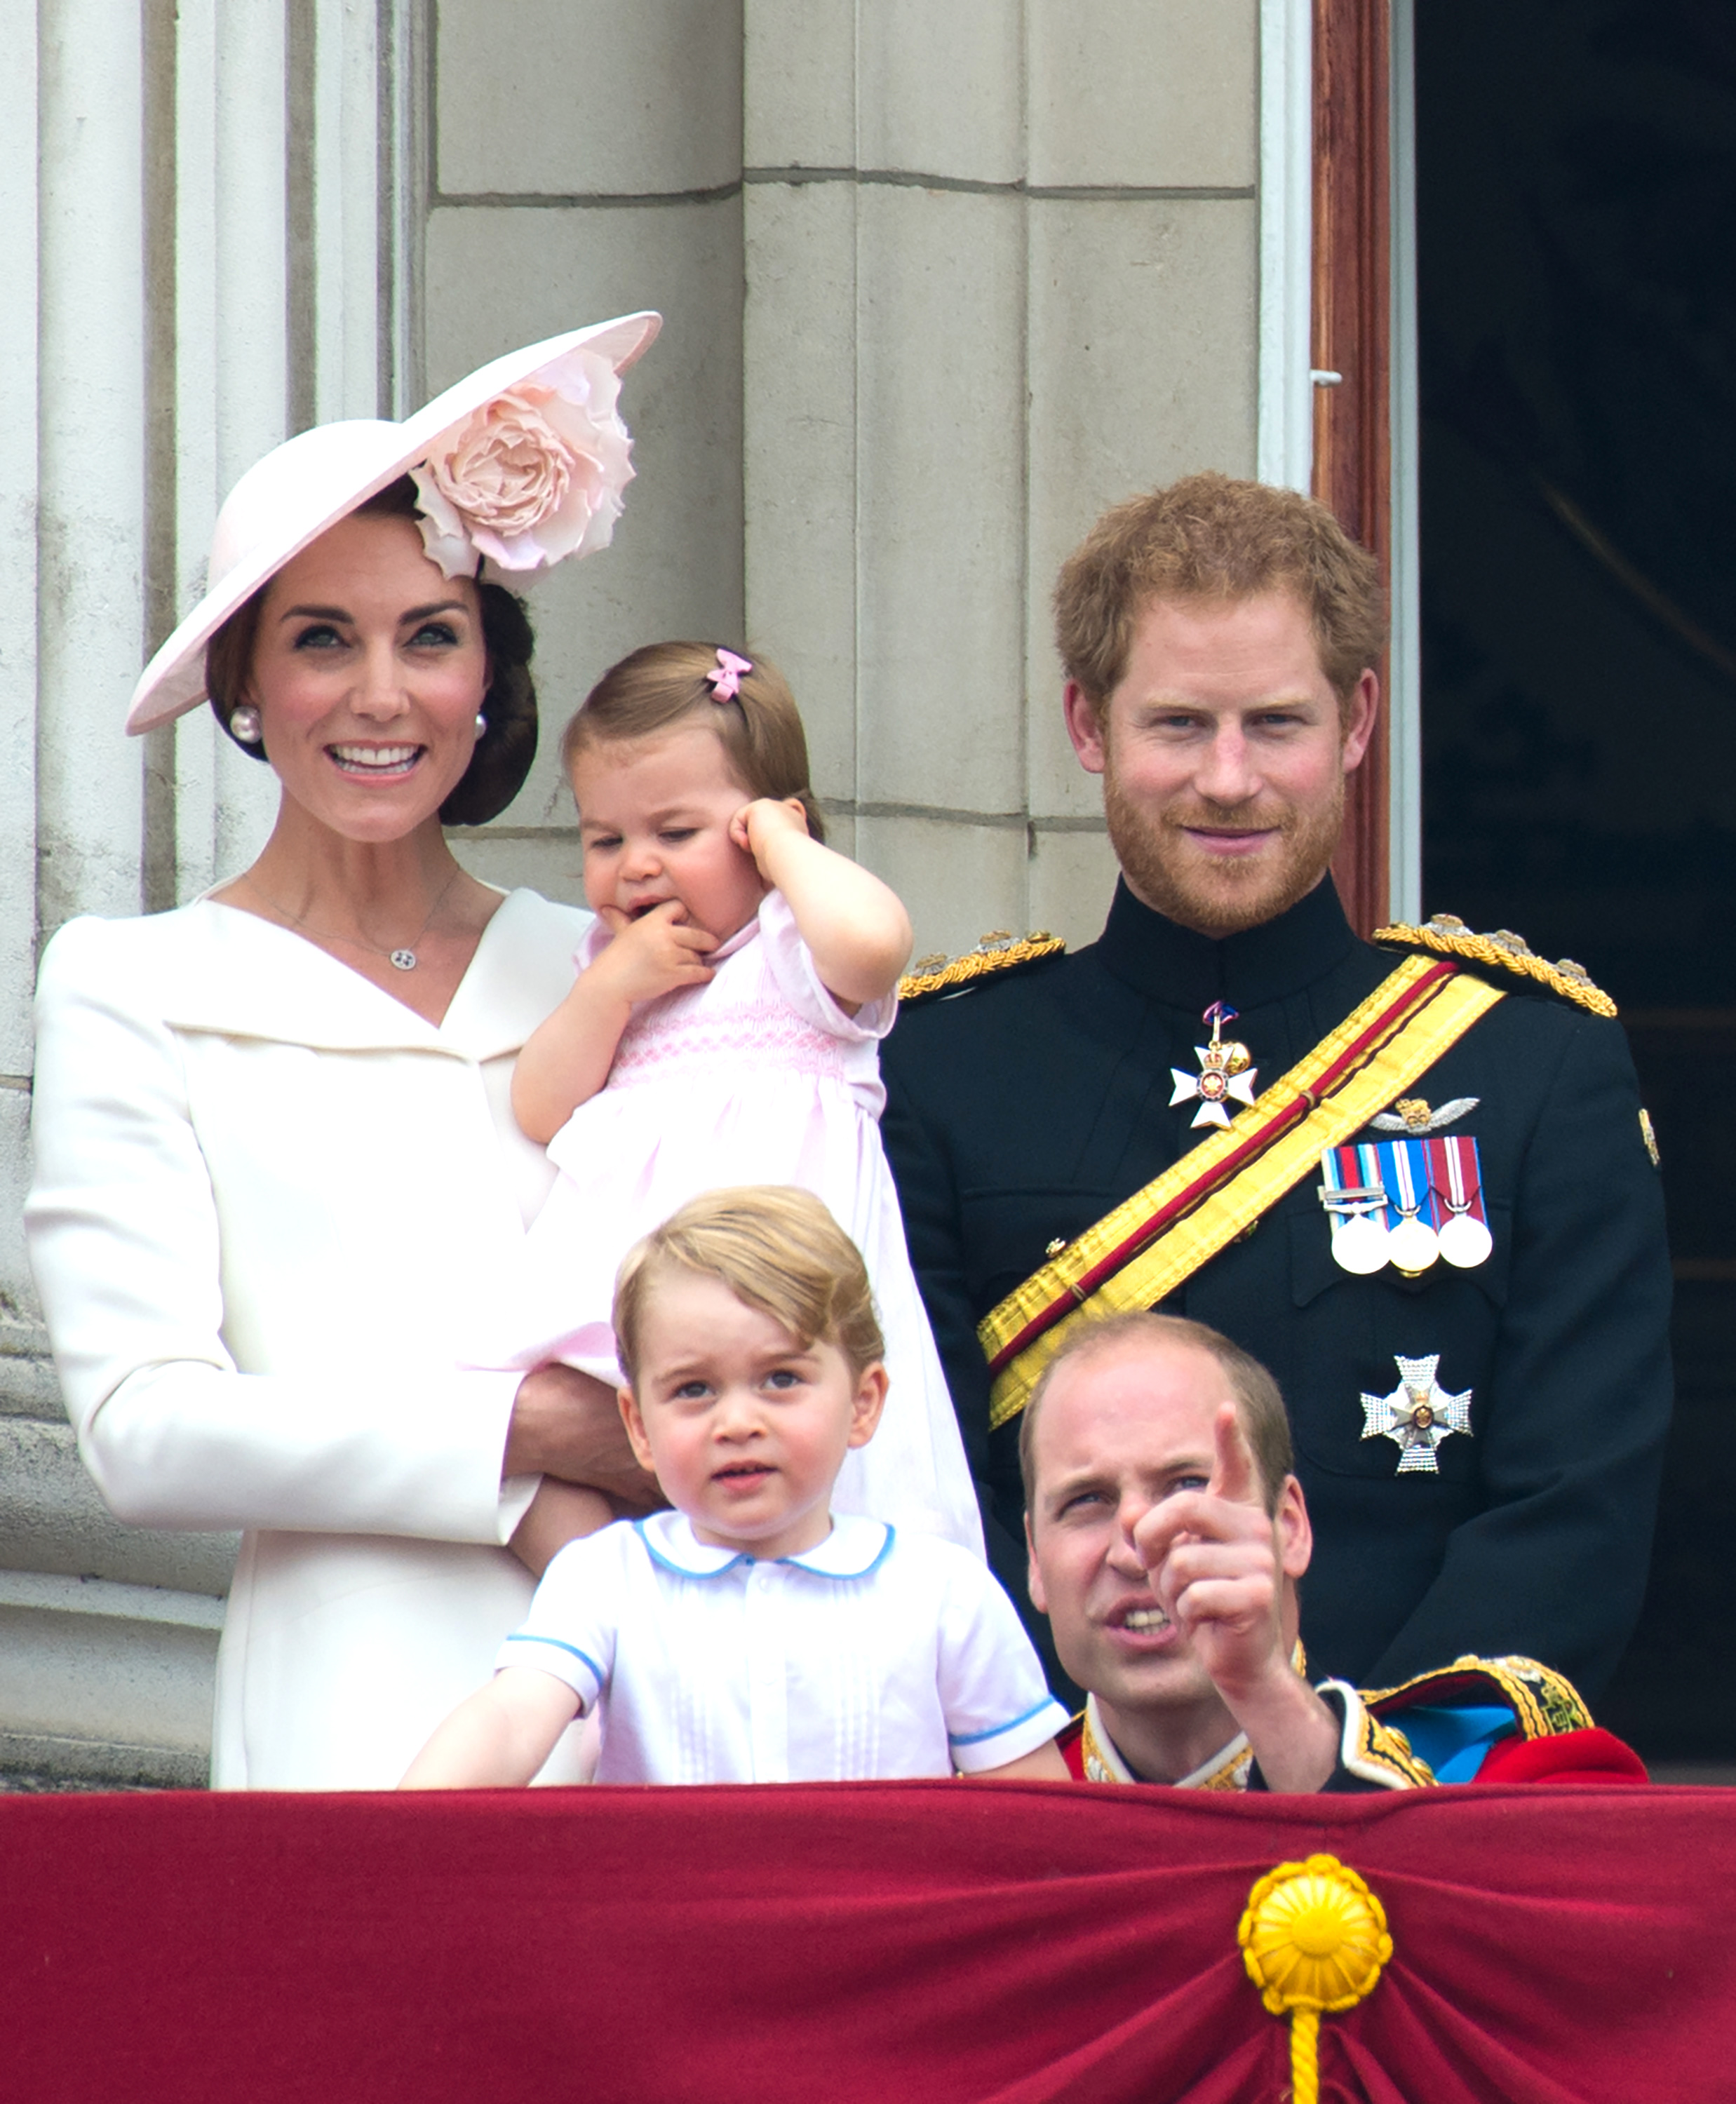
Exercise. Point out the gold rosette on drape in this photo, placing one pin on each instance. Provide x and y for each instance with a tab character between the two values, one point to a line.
1314	1939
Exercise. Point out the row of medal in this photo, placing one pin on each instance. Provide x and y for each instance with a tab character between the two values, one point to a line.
1406	1202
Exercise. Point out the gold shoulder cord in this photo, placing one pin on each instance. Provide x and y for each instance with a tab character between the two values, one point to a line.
1447	936
998	951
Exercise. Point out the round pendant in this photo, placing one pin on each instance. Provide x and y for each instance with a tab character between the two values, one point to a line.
1360	1245
405	960
1465	1243
1412	1245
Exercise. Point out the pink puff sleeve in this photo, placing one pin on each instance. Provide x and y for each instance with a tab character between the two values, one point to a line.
793	971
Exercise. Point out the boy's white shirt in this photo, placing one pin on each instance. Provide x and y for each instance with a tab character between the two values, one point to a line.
876	1654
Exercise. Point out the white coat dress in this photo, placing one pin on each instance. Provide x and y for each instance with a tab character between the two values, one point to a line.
267	1200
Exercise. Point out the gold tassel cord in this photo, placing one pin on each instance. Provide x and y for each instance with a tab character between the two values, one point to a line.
1314	1939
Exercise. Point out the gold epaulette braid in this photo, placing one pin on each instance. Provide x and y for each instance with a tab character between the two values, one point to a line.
1543	1701
997	952
1448	936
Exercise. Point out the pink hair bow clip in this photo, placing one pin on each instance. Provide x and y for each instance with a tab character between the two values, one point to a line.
725	678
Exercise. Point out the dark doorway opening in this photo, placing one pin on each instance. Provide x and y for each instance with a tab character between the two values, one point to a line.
1575	205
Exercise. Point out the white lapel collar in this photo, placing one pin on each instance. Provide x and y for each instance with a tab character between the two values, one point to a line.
239	976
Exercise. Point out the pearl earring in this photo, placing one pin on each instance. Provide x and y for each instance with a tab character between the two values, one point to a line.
244	724
482	725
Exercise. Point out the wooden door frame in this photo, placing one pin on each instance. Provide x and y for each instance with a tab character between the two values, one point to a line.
1352	305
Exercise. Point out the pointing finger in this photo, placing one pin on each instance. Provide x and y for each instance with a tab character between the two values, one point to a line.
1234	1476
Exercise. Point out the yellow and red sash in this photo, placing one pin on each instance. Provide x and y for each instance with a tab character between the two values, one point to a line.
1140	1253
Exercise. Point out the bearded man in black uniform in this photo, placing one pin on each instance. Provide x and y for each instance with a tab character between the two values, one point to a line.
1412	1178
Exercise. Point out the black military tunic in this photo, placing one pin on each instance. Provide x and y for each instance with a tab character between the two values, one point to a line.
1023	1109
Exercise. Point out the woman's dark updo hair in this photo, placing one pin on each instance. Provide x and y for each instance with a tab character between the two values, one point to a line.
506	749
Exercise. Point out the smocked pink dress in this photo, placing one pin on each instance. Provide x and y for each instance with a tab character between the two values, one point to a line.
758	1076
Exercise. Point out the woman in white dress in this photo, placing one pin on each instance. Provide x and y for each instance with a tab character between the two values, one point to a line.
277	1169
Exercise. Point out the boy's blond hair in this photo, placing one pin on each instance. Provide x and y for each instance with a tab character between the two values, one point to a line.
775	1247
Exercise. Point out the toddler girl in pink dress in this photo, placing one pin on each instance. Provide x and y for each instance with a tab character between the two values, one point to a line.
722	1030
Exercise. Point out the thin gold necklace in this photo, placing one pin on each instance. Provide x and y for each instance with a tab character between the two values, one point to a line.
403	959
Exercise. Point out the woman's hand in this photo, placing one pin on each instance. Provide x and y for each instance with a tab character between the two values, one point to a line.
567	1424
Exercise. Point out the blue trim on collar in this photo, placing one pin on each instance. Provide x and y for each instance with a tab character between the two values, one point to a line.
856	1548
709	1562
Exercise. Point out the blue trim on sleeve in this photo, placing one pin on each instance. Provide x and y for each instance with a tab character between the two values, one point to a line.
584	1657
976	1738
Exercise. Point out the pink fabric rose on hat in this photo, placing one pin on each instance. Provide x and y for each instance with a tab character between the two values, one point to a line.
531	477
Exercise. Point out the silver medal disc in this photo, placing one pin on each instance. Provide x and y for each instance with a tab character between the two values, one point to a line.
1359	1245
1412	1245
1465	1243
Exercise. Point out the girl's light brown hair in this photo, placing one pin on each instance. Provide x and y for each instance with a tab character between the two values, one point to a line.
664	683
776	1248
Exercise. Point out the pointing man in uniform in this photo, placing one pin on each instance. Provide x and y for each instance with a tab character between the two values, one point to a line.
1168	1536
1412	1179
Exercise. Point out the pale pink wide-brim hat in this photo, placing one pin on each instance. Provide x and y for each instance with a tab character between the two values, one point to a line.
288	500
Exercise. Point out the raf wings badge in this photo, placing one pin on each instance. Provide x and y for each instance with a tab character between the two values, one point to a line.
1226	1073
1417	1415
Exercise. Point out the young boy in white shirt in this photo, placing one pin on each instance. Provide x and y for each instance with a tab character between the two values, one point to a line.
748	1635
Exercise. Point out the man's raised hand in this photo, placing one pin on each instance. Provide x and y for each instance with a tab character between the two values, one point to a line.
1213	1559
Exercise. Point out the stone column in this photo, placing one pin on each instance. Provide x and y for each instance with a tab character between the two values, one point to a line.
588	163
1000	271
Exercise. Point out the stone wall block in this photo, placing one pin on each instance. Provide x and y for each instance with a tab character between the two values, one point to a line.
576	98
126	1695
799	440
91	522
940	90
17	1290
498	278
958	880
18	493
1071	882
799	100
1152	93
53	1519
940	475
1143	355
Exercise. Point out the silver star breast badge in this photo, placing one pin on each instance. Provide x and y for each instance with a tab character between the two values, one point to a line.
1417	1415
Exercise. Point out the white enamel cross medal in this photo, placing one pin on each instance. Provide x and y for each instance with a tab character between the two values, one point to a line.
1417	1415
1226	1073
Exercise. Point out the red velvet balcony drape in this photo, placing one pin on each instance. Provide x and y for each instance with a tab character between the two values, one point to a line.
861	1944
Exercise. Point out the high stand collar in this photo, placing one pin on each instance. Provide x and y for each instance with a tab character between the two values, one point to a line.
1182	969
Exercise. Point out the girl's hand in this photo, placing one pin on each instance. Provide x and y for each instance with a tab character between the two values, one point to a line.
654	955
765	819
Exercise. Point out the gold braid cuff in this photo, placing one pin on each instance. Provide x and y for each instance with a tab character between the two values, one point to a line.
1447	936
1153	1241
997	952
